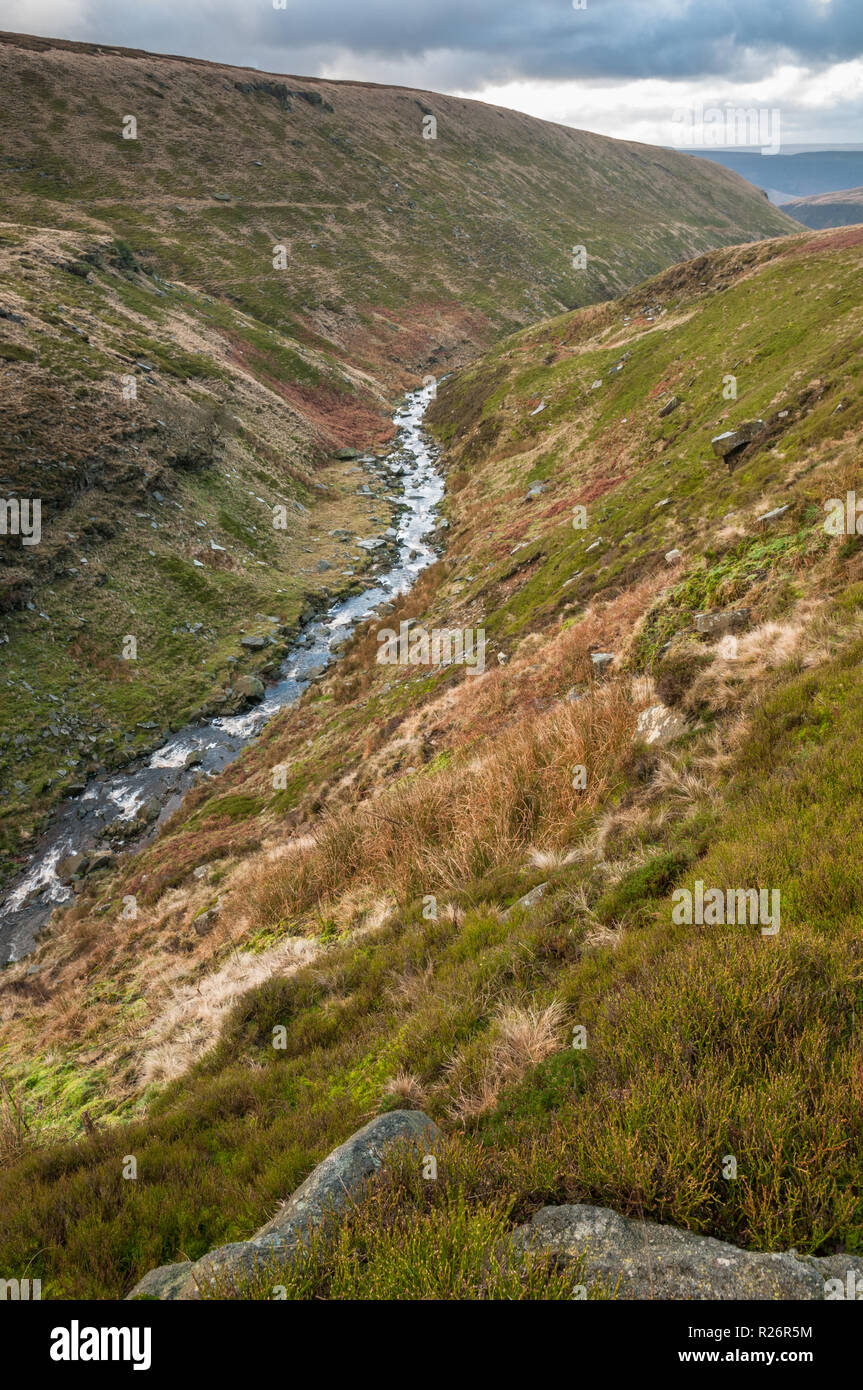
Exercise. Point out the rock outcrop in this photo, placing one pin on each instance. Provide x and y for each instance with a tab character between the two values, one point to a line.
659	724
728	443
643	1260
720	623
316	1202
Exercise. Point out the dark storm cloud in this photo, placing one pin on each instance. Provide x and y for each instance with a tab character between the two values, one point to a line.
485	40
615	39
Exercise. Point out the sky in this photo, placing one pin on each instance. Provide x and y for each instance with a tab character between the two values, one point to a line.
637	69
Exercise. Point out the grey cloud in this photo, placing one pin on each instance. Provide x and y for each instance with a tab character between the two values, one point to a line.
488	41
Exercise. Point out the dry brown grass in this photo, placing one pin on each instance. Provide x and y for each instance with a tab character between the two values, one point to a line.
467	819
191	1022
741	662
409	986
672	780
521	1038
406	1087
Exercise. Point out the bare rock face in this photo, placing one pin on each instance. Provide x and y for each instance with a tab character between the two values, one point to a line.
163	1283
316	1202
643	1260
731	440
278	90
659	724
718	624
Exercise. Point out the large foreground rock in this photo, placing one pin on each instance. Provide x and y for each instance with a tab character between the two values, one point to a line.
643	1260
164	1282
328	1186
318	1200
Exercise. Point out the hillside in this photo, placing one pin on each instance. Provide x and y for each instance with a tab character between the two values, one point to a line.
841	209
194	321
383	227
433	914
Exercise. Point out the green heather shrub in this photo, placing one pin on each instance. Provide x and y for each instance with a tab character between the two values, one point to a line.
395	1250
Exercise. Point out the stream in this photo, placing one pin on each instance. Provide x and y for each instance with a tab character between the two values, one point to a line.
80	823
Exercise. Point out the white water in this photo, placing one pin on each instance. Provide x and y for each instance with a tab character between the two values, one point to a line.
80	823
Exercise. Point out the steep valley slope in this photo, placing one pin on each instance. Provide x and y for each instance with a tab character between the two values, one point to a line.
214	281
461	899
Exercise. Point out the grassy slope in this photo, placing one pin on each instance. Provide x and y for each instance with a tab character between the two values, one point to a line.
404	256
379	222
136	495
700	1042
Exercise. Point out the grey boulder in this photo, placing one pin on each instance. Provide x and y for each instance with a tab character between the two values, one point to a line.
601	660
717	624
643	1260
164	1282
731	440
768	517
249	688
659	724
325	1192
71	866
328	1186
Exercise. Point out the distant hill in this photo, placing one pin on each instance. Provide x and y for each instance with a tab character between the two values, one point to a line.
380	223
796	175
839	209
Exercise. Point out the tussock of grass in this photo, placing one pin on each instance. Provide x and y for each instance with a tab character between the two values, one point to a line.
438	832
522	1038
